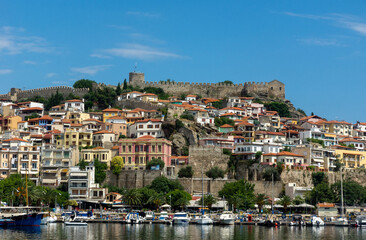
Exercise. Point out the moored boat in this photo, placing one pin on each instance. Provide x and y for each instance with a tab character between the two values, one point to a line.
227	218
204	220
180	218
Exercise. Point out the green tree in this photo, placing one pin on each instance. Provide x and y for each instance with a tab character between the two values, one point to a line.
353	193
279	107
217	104
261	200
178	124
208	200
179	198
215	172
100	171
186	172
224	120
118	89
156	199
117	165
320	193
227	82
155	162
84	83
187	115
240	190
82	164
267	174
125	84
164	185
285	201
319	177
132	197
298	200
301	111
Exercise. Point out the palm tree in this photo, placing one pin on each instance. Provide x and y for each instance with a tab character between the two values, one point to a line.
261	199
209	200
132	197
236	200
285	201
156	199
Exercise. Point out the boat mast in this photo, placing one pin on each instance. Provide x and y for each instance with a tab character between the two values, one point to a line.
272	193
202	191
342	193
26	187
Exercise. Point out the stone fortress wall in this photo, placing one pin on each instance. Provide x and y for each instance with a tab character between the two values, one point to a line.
273	89
17	94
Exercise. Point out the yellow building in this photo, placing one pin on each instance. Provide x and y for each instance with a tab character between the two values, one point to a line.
9	123
110	112
75	139
350	158
102	154
338	127
77	117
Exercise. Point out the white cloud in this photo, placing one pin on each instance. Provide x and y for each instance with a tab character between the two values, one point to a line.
143	14
137	51
321	42
50	75
350	22
13	41
5	71
30	62
91	70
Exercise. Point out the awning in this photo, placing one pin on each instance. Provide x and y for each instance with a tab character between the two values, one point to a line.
48	180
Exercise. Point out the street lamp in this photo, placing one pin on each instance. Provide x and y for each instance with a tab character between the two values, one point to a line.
12	195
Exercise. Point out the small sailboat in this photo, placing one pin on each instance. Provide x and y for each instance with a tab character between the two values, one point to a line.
341	221
203	219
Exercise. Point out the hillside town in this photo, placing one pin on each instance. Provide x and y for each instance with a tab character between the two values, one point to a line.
90	148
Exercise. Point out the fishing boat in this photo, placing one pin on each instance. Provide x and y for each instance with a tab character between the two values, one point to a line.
180	218
227	218
6	222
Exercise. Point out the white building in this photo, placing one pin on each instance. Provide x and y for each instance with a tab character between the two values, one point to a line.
80	181
152	127
191	98
75	105
129	95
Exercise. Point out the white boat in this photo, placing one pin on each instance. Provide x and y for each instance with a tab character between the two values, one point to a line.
181	218
164	216
75	223
361	221
227	218
316	221
204	220
149	215
341	221
133	218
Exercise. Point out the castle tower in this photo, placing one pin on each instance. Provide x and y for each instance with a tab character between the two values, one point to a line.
136	79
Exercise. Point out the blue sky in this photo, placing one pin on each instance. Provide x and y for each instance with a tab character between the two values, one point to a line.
317	48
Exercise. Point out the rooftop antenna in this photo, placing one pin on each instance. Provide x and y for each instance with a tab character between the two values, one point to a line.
135	67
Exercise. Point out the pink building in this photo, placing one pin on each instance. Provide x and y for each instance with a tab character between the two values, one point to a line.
136	152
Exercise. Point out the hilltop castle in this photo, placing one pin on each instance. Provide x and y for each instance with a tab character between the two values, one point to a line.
273	89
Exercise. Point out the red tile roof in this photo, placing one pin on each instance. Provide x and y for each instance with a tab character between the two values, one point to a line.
226	126
103	132
111	110
15	139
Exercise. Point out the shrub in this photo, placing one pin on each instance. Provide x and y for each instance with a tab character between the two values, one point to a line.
186	172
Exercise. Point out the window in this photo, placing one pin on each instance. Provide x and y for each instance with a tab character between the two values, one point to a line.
136	148
34	165
159	148
150	126
153	148
4	173
129	148
129	160
141	126
34	157
156	125
24	165
123	148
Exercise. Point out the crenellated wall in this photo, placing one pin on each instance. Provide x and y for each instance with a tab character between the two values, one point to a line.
17	94
273	89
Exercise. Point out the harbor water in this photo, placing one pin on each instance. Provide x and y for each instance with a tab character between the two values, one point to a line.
106	231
